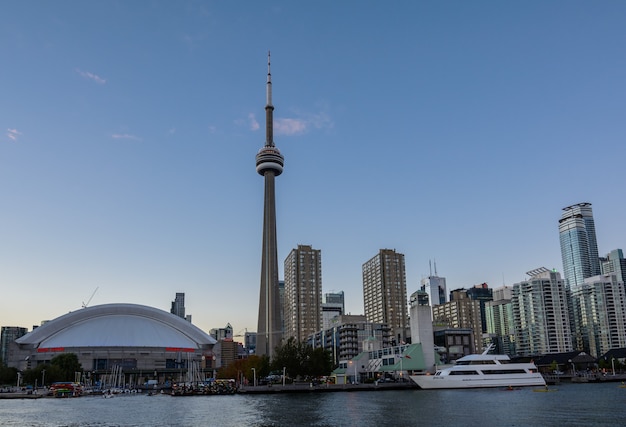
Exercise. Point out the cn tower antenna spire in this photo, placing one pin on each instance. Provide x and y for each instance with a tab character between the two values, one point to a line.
269	108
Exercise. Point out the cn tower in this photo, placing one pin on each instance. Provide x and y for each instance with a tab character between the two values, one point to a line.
269	164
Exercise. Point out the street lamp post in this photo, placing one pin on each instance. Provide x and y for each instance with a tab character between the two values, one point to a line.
284	369
254	377
613	365
43	377
348	371
351	362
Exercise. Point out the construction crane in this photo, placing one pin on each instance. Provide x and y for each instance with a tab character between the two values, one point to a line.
85	304
241	333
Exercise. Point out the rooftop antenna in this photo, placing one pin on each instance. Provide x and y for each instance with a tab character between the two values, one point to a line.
85	304
435	262
430	268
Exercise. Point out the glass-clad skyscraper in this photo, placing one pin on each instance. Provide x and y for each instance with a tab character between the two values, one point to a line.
579	248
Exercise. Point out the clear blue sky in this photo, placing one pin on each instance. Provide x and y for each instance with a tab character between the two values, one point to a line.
451	131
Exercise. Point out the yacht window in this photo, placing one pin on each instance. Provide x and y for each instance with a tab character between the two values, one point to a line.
463	373
504	371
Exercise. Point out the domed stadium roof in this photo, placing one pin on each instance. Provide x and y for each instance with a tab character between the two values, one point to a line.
118	325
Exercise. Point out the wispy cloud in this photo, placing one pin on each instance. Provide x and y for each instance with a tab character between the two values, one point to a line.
13	134
303	124
254	124
291	126
125	136
90	76
193	40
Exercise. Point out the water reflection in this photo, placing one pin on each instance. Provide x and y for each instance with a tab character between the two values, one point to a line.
573	404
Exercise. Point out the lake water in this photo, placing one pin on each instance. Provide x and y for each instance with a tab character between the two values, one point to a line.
572	405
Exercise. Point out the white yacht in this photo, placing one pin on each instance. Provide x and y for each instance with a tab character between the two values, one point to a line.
482	370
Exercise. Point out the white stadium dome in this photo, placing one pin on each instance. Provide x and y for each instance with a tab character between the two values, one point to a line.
137	338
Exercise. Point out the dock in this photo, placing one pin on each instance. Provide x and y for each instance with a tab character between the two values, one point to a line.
20	396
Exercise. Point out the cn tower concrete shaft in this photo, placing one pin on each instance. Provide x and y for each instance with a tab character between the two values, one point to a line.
269	164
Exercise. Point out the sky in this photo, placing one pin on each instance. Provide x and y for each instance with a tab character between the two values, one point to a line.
453	132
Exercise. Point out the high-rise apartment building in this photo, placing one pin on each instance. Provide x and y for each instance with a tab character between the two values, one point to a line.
8	335
222	333
614	263
303	292
599	312
332	306
269	164
435	287
499	316
541	315
178	305
384	292
579	248
481	293
281	299
461	312
502	293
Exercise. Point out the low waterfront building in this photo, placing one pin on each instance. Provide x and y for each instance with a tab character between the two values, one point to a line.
382	364
346	336
453	343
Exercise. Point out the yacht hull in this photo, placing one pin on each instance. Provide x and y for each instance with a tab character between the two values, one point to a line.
429	382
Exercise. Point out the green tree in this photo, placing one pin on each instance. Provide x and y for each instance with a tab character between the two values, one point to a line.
291	356
68	365
53	374
244	366
554	366
8	376
320	363
300	359
233	370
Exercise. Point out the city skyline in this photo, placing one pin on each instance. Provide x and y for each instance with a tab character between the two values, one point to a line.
450	132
